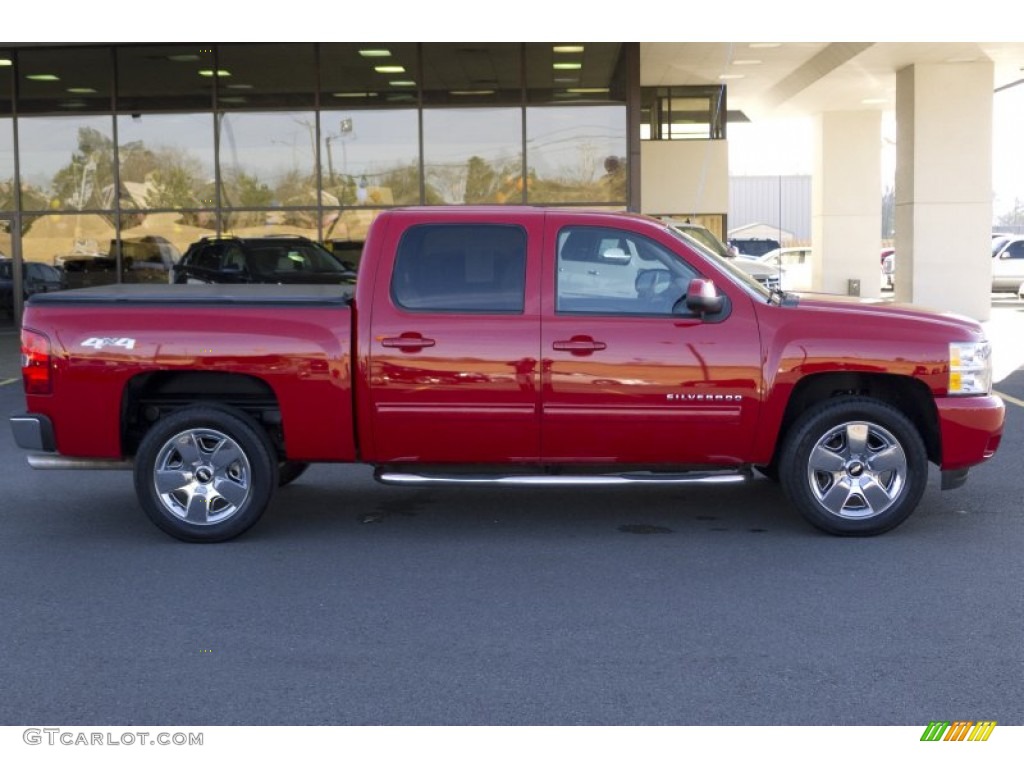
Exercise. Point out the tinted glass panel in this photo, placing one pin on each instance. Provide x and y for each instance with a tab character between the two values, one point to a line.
370	157
164	77
374	74
63	81
610	271
461	268
472	73
576	154
6	132
257	75
473	155
575	72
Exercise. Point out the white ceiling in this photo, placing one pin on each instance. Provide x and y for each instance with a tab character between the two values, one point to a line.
806	78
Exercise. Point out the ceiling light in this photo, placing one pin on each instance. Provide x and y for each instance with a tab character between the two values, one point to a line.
567	65
746	62
567	79
43	78
355	95
472	93
240	86
731	77
375	53
81	90
567	48
232	99
6	63
874	101
211	73
402	83
184	57
765	45
390	69
588	90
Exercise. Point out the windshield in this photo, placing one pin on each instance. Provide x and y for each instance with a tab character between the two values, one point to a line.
741	277
274	258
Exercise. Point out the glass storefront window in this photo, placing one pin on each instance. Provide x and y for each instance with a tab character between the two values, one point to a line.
370	157
260	75
683	112
345	230
67	163
164	77
166	161
369	74
576	154
268	159
66	80
466	74
78	245
473	155
151	242
263	223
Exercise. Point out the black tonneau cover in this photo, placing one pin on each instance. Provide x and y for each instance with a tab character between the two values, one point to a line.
331	295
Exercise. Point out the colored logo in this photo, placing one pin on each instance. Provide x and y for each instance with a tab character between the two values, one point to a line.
960	730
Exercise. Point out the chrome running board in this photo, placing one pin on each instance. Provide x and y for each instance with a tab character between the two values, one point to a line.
53	461
630	478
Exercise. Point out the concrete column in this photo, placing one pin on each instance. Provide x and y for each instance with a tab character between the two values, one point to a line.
846	202
944	187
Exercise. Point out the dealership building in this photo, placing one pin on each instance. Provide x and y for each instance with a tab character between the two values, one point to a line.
115	157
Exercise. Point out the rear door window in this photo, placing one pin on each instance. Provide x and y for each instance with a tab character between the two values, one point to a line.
478	268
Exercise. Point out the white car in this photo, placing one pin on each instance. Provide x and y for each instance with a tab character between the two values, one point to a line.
793	264
1008	265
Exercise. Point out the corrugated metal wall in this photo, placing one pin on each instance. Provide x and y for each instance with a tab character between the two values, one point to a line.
779	202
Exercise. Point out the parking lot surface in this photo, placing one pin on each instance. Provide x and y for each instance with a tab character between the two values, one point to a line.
353	603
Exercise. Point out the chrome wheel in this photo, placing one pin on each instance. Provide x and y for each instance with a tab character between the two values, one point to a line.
202	476
857	470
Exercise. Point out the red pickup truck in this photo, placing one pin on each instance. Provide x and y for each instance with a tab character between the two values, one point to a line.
507	345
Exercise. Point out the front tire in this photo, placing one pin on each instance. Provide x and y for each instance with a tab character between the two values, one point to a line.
289	471
854	466
205	474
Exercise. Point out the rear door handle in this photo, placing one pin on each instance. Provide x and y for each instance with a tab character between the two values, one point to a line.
407	342
579	345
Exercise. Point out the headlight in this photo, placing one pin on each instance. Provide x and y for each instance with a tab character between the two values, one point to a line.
970	368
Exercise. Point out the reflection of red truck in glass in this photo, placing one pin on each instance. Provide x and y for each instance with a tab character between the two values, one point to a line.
512	346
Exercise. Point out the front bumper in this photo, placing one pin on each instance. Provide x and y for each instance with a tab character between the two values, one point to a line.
970	429
33	432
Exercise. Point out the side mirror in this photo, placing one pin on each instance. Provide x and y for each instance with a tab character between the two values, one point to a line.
703	298
615	256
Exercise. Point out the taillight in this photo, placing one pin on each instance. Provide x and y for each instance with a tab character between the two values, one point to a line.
35	363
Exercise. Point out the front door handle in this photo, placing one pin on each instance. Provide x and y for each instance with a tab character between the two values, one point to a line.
579	345
407	342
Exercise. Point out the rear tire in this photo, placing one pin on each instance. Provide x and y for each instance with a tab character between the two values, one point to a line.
854	466
205	473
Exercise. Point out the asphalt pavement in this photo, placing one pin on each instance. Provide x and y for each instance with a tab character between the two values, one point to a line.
352	603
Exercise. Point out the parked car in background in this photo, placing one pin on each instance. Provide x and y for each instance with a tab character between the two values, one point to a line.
793	264
706	240
754	246
37	278
286	259
145	259
1008	265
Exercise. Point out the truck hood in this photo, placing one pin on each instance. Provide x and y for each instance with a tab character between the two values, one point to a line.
903	314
